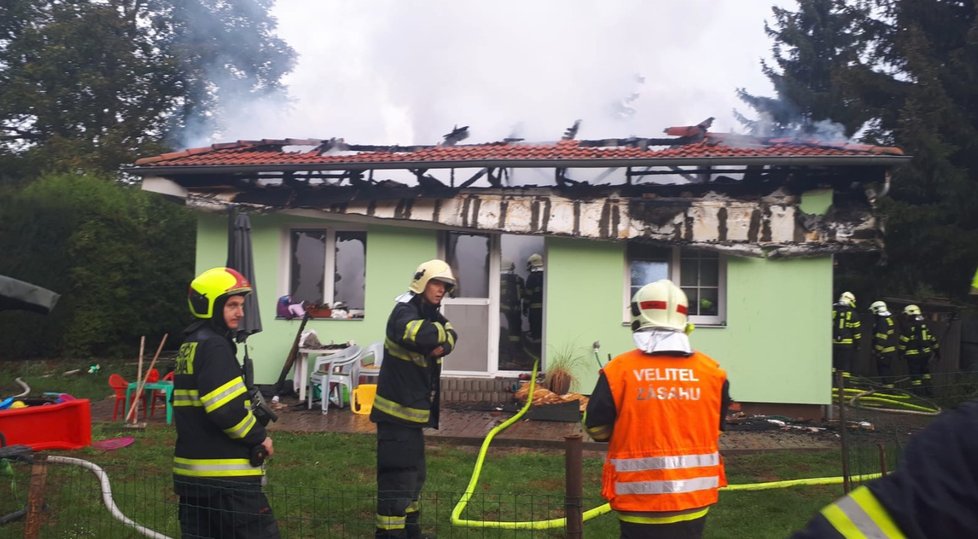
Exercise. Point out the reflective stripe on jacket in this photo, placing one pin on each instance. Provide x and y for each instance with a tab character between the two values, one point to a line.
917	340
408	389
846	326
884	335
663	454
216	429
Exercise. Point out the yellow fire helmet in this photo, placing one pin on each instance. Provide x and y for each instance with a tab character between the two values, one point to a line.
912	310
436	269
848	298
661	304
534	262
211	286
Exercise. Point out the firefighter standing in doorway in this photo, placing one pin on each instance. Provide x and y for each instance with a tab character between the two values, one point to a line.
918	345
408	395
511	288
884	341
217	461
533	300
846	334
661	408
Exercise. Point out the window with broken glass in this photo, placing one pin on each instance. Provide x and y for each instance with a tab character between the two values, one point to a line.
701	275
316	253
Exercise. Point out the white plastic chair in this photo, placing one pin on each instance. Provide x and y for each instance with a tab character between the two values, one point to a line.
333	372
374	354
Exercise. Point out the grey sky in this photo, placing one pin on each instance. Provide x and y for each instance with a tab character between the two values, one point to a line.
403	72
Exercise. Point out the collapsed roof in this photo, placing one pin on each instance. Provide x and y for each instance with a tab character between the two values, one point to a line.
724	192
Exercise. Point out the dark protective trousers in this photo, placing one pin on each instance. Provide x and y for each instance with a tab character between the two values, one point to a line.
228	510
401	474
884	366
687	529
919	368
843	357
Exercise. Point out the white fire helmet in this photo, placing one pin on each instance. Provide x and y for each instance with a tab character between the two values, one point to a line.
879	307
438	270
534	262
912	310
848	298
507	266
662	305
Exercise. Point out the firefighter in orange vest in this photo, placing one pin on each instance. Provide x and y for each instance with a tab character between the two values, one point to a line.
660	407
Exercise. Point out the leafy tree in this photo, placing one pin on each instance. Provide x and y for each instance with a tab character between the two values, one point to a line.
810	47
92	84
118	256
910	79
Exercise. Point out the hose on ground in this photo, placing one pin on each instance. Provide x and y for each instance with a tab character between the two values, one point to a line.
107	494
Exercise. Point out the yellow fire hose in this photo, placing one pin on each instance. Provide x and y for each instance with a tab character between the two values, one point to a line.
597	511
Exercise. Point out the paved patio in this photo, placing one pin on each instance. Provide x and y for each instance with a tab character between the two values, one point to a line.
468	426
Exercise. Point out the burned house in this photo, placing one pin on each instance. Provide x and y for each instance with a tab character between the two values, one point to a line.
747	226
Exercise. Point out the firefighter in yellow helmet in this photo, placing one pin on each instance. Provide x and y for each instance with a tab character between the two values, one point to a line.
220	446
846	334
918	345
408	394
661	408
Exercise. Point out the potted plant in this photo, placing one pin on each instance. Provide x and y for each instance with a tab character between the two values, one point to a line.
560	369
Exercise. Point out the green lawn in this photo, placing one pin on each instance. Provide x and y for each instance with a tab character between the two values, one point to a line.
322	485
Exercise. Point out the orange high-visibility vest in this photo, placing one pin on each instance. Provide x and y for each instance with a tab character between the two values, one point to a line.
664	451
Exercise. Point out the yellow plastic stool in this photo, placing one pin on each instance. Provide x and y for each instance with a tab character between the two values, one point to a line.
363	398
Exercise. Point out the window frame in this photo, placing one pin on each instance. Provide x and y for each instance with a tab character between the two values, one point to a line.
329	260
675	274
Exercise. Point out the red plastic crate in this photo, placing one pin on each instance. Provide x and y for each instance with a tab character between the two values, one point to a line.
51	426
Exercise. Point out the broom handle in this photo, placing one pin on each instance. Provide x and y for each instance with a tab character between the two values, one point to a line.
142	383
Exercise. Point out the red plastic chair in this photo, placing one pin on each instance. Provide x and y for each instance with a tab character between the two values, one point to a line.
119	385
159	395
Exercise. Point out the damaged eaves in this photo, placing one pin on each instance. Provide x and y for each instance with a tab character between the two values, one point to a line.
742	198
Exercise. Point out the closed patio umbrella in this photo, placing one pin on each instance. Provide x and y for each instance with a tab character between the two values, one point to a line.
240	257
18	295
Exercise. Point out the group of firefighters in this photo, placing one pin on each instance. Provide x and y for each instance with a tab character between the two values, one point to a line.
660	407
909	338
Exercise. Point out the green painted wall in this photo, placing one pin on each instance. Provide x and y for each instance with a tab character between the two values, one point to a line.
816	201
392	256
775	346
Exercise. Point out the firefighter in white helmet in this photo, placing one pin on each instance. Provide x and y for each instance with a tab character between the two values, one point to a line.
408	394
661	408
918	345
884	341
846	334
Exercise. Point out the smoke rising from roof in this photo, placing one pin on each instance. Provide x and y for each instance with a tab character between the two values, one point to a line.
388	72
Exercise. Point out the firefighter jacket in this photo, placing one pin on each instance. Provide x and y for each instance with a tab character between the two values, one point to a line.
884	335
917	341
932	493
662	415
846	326
533	299
408	390
216	429
511	287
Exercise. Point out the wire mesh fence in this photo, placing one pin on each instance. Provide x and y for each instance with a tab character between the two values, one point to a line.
79	501
883	414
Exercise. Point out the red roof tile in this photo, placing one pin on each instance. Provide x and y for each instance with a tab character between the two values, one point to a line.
270	152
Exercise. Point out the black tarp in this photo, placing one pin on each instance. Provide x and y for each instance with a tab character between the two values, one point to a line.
18	295
240	257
